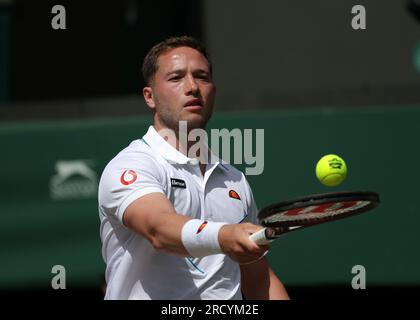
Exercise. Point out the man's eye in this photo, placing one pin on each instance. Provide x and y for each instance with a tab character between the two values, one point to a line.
203	77
174	78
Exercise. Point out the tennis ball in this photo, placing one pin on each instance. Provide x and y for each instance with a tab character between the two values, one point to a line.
331	170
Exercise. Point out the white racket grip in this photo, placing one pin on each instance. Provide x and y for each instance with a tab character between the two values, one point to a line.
260	238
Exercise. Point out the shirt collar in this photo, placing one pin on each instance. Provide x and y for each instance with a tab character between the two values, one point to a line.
168	152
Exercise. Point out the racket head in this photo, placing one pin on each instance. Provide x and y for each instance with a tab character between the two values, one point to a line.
317	208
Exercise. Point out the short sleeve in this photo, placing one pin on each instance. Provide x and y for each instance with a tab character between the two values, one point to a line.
126	179
251	206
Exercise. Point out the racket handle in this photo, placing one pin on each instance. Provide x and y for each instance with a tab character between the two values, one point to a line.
260	237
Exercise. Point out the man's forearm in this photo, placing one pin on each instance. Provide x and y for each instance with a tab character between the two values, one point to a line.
259	282
277	291
153	217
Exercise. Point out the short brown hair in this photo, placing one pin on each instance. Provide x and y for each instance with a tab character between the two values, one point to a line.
150	66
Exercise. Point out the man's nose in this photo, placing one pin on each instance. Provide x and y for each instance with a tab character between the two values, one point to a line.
191	86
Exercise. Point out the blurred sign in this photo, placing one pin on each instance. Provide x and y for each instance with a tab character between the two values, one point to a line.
74	179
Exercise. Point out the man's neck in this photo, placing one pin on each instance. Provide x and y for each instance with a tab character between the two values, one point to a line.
184	146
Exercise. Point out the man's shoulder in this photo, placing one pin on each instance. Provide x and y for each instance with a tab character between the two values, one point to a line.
136	152
137	147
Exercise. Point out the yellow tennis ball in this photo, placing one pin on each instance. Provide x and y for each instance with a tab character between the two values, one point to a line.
331	170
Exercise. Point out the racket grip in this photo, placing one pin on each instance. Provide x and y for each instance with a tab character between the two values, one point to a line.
260	237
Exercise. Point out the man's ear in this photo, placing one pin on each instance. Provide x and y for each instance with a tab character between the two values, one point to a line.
148	97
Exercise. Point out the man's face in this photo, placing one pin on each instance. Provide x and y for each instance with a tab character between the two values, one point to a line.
181	90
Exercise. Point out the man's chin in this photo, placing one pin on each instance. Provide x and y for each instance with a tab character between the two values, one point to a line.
195	121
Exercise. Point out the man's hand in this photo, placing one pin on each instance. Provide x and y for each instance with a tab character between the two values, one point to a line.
234	242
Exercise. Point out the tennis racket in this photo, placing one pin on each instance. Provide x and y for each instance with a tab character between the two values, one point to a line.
283	217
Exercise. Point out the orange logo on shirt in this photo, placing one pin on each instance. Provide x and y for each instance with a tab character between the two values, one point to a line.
201	227
233	194
128	177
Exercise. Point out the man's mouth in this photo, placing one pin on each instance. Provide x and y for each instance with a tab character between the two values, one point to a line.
194	103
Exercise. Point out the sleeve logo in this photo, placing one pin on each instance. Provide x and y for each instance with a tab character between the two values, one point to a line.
201	227
128	177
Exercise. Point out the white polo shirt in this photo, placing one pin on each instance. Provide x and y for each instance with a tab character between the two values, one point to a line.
135	270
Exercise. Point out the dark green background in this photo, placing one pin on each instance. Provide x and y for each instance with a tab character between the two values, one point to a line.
380	146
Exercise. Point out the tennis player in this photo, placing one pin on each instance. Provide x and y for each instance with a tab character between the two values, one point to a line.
175	226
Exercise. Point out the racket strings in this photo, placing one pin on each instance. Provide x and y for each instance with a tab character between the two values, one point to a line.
312	214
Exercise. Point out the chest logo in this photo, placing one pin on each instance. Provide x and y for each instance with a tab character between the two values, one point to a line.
128	177
233	194
178	183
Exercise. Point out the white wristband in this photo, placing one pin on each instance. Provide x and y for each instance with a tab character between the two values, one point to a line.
201	238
